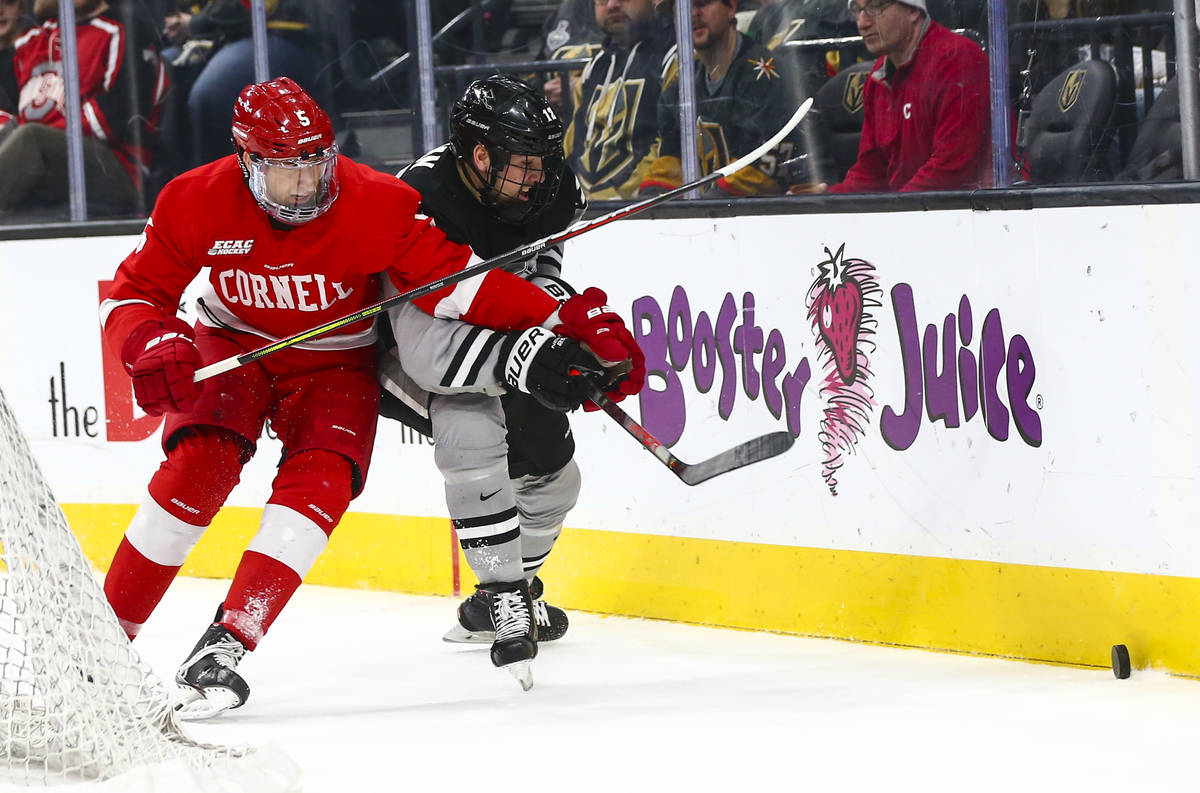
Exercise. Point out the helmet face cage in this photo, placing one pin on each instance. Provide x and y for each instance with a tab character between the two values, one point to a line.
294	190
533	188
512	121
292	171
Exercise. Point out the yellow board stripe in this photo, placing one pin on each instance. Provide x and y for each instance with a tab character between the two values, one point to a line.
1047	614
377	552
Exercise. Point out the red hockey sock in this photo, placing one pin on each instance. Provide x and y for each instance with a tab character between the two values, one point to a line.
134	585
200	471
261	588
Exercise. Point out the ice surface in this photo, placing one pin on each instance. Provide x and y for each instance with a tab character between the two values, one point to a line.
361	691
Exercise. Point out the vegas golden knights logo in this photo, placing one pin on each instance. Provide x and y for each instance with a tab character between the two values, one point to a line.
608	149
714	150
852	97
1071	89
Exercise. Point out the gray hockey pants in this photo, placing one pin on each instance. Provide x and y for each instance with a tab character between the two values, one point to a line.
505	527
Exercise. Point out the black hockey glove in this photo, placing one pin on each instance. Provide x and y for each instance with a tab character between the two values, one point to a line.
554	370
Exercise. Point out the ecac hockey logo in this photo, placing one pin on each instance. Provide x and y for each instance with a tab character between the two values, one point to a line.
231	248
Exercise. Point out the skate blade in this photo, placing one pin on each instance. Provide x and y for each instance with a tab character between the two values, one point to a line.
193	705
460	635
523	672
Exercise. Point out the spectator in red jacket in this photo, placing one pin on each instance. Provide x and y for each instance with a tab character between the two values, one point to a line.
925	107
13	23
121	83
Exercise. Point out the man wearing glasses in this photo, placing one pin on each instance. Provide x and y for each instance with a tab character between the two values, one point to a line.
925	106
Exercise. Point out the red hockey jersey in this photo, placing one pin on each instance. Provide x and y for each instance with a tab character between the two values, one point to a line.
275	282
118	66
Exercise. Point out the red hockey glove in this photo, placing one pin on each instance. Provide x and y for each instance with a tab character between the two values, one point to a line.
600	329
161	359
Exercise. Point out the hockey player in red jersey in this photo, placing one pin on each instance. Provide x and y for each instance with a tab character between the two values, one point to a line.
293	236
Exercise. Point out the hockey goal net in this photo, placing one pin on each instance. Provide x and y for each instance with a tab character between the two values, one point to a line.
78	706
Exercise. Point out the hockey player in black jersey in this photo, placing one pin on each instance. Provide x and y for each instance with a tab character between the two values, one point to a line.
495	403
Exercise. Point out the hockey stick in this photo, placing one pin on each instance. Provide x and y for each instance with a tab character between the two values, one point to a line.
752	451
574	230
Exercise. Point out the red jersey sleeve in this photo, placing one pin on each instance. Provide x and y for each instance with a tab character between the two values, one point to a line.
151	279
495	299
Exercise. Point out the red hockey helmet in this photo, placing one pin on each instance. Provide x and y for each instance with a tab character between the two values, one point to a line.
293	157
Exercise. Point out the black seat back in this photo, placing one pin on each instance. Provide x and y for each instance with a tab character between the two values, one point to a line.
1070	126
838	118
1157	154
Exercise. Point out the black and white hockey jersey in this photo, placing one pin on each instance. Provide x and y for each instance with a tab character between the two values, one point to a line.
458	213
448	356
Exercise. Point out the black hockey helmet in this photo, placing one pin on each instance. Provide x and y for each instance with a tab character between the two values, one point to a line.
509	117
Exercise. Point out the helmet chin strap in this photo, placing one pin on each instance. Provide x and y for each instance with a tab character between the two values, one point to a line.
485	192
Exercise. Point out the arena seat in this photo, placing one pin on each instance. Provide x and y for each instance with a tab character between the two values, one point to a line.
1070	126
838	119
1157	154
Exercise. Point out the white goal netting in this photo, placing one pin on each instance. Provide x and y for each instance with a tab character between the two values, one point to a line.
78	707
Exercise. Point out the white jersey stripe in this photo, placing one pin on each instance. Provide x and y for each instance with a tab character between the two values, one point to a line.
110	305
114	50
477	348
93	122
215	314
459	301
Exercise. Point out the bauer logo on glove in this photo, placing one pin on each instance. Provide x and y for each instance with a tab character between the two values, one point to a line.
555	370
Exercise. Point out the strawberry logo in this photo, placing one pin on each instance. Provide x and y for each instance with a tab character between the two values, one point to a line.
837	311
840	303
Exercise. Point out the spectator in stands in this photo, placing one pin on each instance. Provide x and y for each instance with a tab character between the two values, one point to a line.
797	20
574	22
571	32
13	22
925	104
611	138
216	41
740	103
118	134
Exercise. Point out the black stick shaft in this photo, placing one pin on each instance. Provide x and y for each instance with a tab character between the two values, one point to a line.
637	431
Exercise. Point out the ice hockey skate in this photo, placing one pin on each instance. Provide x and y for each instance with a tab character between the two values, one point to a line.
515	645
475	619
207	682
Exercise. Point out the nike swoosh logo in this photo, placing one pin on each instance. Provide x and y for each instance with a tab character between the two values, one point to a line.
482	497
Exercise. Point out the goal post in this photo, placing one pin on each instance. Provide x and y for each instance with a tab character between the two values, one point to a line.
78	706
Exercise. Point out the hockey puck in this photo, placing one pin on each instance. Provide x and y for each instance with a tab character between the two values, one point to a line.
1120	661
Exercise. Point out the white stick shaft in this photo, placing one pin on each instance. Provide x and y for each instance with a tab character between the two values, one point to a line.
754	156
214	369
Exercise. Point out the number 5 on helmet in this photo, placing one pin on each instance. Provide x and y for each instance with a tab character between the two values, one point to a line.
286	150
